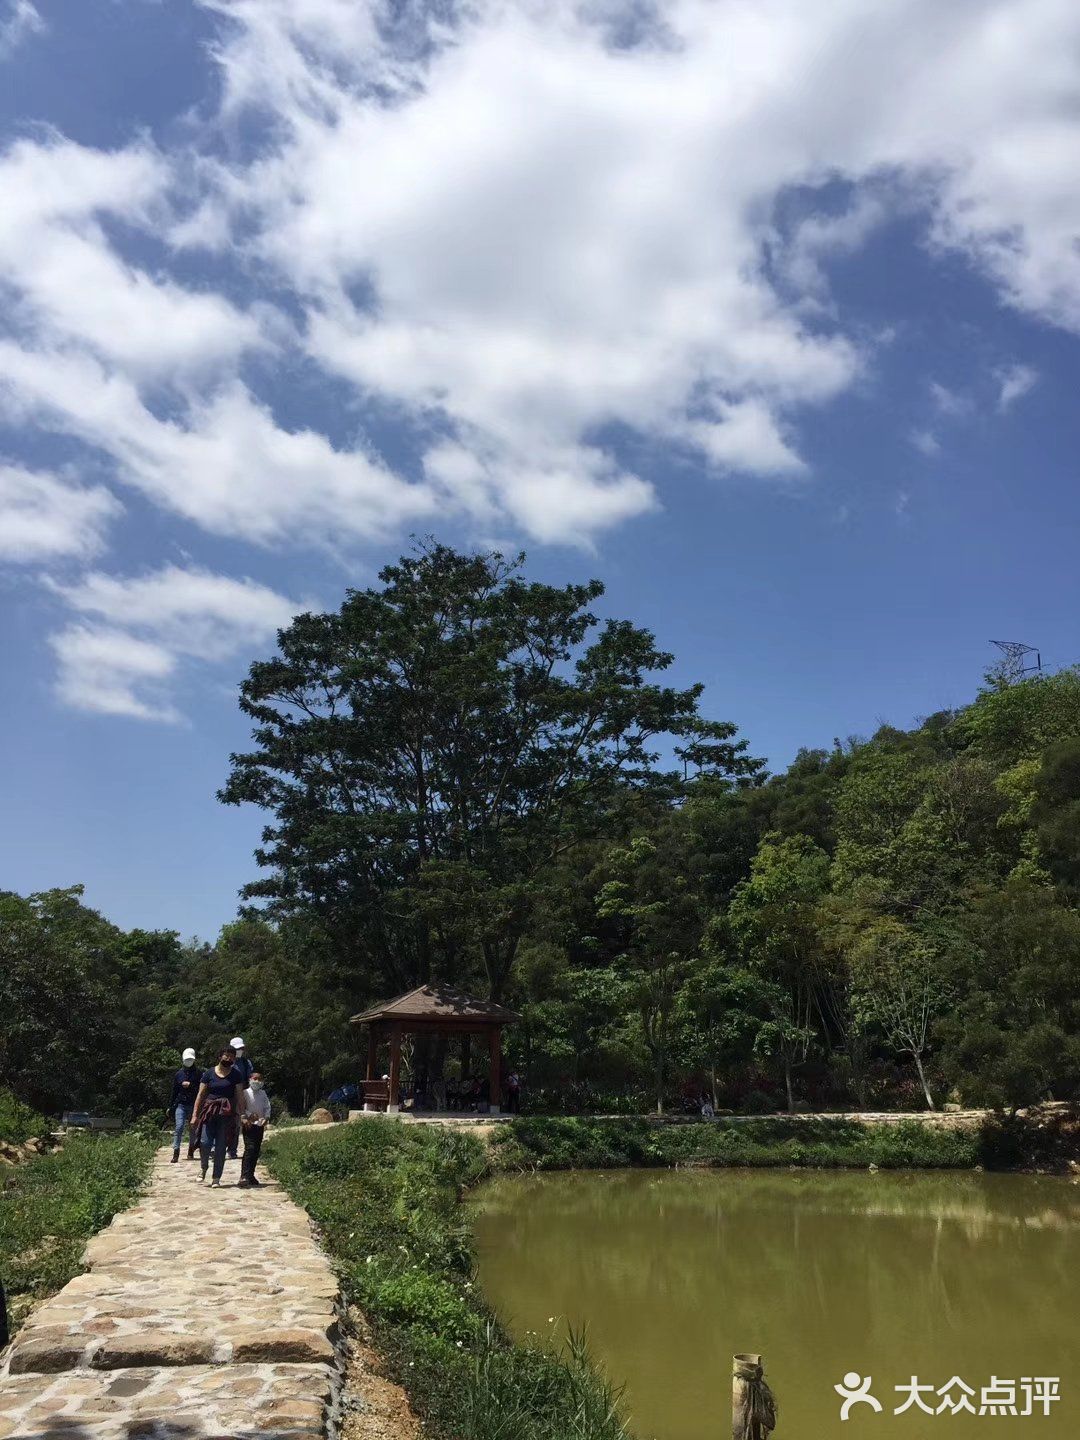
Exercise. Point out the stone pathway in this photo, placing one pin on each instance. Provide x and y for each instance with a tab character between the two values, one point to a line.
204	1313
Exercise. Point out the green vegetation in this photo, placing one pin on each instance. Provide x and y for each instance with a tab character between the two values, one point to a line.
18	1122
54	1203
388	1201
469	777
571	1143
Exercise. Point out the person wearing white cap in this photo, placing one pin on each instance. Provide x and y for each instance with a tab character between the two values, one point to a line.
245	1067
185	1087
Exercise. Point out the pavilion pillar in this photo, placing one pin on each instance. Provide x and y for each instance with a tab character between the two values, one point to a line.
393	1105
494	1068
466	1053
372	1060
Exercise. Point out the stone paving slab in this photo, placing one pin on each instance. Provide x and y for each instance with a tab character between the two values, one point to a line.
199	1401
204	1313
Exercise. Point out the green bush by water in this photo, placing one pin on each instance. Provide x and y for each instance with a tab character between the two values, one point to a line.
387	1199
535	1143
51	1206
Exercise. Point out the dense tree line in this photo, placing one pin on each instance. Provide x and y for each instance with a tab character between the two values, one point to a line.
469	778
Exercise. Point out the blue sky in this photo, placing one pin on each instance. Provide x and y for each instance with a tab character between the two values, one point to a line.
767	316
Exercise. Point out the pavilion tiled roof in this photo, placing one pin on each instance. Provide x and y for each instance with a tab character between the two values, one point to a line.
437	1002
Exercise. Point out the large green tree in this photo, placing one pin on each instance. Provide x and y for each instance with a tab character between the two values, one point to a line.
425	752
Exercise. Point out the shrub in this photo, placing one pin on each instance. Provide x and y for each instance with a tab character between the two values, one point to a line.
420	1298
18	1122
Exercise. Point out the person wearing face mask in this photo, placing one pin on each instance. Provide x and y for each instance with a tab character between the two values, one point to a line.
256	1116
185	1087
219	1101
245	1068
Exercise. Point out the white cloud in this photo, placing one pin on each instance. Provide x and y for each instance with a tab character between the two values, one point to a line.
746	437
223	463
818	239
523	230
1014	383
121	660
19	19
45	516
926	442
70	286
112	672
948	402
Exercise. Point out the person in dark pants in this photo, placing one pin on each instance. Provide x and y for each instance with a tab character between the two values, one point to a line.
245	1067
218	1104
185	1087
255	1119
513	1093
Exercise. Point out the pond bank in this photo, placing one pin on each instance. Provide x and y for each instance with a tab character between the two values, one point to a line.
1046	1139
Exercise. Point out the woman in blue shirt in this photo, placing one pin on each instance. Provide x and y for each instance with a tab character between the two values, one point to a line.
219	1102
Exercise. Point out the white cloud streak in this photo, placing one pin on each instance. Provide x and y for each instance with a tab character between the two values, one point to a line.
19	19
45	517
1014	383
123	656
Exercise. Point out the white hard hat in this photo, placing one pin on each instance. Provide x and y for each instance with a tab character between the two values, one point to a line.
189	1054
236	1043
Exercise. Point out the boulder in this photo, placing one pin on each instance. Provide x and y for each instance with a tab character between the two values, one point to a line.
321	1116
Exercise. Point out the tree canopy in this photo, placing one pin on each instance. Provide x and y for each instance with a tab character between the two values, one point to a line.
470	776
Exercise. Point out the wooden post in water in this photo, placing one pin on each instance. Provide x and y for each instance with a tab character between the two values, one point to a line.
753	1409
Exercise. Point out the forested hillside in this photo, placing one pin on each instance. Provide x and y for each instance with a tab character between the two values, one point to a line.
467	777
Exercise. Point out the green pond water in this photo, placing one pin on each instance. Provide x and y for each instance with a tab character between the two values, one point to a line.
888	1275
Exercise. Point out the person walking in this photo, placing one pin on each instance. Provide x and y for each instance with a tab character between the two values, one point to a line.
255	1119
245	1067
218	1104
513	1093
185	1087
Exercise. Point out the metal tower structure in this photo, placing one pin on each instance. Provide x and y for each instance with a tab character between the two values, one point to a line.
1018	662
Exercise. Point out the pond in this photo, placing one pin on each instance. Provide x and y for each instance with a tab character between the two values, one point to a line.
890	1275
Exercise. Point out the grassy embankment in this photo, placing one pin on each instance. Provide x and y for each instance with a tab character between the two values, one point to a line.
387	1198
52	1204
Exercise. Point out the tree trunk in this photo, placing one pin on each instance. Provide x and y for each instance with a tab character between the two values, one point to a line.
712	1087
787	1085
922	1081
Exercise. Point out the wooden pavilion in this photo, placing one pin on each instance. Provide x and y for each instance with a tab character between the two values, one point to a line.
430	1010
